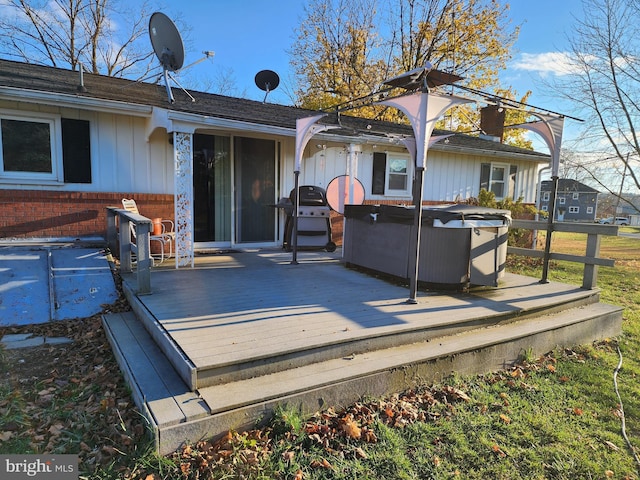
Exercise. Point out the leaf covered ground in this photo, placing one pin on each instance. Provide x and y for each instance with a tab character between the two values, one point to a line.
554	417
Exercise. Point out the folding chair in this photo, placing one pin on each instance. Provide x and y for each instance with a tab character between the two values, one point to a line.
165	238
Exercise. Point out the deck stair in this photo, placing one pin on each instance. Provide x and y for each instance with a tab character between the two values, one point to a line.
322	346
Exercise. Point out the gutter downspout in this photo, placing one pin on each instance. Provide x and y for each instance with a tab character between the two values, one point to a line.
538	204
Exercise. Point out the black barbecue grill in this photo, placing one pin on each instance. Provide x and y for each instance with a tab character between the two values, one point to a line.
314	224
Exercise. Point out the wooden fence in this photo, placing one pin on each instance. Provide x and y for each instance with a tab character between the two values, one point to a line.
590	259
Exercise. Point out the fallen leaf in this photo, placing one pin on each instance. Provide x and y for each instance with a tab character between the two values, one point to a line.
299	475
4	436
505	419
351	428
436	461
456	393
611	445
577	411
324	463
609	473
56	429
551	368
497	450
360	453
288	456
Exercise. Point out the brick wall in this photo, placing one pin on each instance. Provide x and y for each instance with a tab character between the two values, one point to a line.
51	214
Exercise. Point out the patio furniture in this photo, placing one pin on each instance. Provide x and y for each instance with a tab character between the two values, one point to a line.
163	231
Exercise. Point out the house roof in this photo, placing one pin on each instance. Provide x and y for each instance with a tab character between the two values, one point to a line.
56	82
568	185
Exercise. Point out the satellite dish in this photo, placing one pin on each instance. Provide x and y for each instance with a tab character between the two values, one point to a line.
267	80
167	45
339	191
166	41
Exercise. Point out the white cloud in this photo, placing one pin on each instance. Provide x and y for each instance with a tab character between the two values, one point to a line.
545	64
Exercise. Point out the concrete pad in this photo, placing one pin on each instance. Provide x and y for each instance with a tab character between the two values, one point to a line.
41	284
24	286
27	340
82	282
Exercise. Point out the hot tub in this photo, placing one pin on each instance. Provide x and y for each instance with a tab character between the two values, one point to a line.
460	245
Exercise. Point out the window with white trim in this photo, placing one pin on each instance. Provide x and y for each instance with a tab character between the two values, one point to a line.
29	147
498	178
574	209
561	201
44	148
590	210
391	174
546	196
576	196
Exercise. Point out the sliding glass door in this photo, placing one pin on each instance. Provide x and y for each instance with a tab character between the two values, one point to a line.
255	179
212	188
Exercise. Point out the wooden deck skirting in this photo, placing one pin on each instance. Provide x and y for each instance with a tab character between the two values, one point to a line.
217	347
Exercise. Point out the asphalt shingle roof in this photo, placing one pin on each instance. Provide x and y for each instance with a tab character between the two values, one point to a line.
67	82
568	185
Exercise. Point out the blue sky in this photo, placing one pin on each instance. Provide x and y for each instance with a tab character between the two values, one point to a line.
251	35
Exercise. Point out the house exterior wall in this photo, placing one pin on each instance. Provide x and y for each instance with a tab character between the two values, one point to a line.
125	163
449	177
121	157
67	214
574	202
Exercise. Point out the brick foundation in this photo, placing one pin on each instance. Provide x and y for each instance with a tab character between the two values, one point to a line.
51	214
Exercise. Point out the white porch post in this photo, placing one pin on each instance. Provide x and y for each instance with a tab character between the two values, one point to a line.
352	169
423	109
550	128
183	198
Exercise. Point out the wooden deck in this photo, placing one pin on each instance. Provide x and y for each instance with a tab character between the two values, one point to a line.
242	330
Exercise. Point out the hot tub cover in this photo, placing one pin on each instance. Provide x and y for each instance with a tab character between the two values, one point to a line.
432	214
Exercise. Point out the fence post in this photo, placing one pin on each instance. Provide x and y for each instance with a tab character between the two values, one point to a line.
112	231
144	257
590	275
125	244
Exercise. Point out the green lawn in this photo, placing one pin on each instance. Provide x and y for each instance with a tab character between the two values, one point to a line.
555	417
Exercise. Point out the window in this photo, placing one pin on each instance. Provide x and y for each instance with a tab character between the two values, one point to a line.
576	196
546	196
590	210
574	209
28	147
498	178
561	201
391	174
45	148
545	208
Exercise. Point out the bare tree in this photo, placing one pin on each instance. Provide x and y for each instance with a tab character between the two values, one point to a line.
105	36
605	87
345	49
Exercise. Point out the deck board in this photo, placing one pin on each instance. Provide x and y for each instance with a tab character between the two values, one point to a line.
250	306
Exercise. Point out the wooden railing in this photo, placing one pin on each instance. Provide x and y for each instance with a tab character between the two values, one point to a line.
590	259
118	217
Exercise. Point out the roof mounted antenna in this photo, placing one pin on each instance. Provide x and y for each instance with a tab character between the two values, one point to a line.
168	47
81	87
267	81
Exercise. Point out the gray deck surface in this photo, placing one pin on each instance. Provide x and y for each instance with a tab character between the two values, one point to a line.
242	306
260	331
